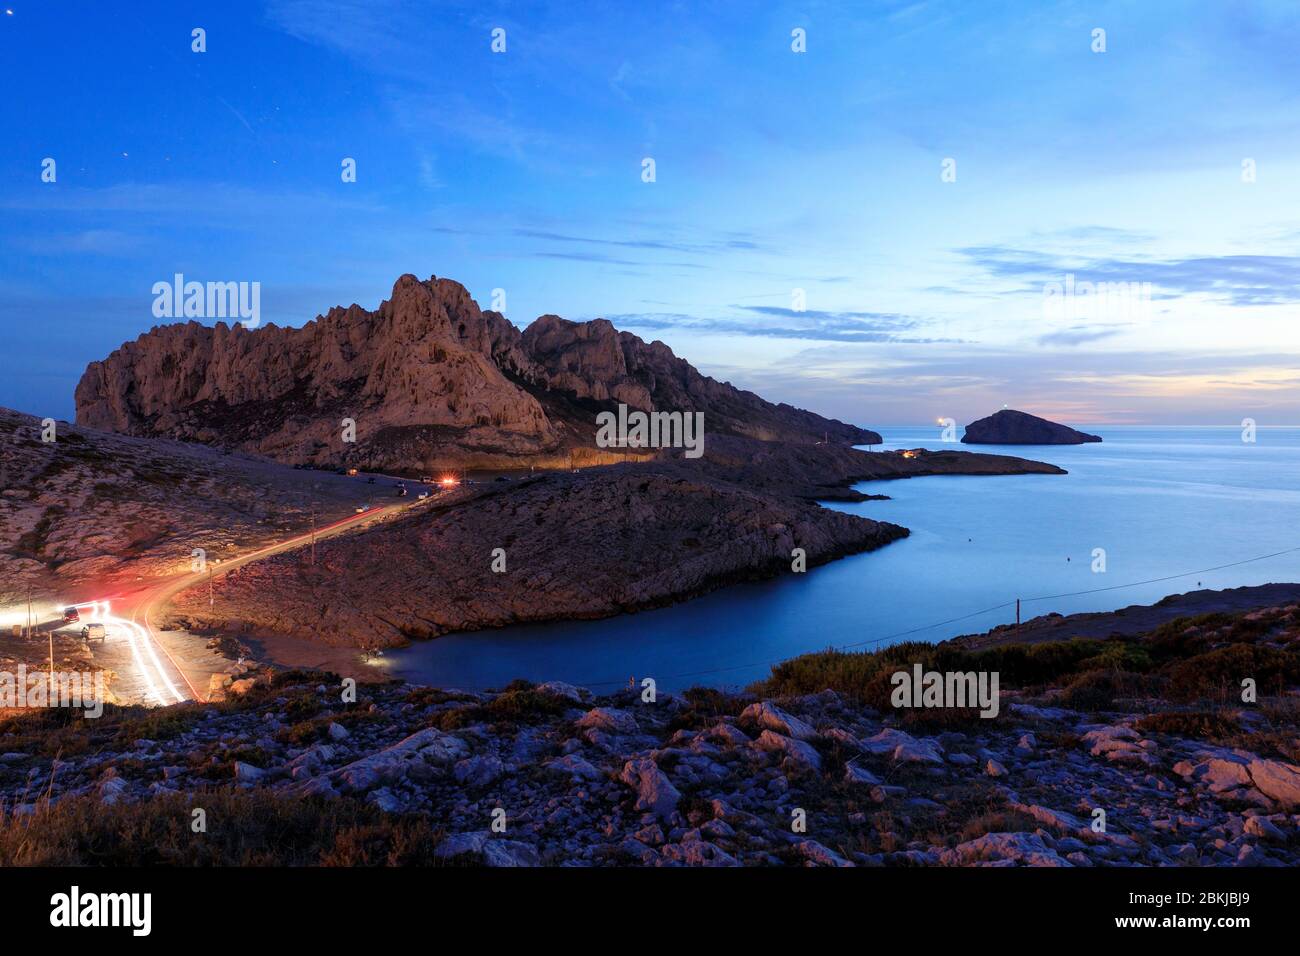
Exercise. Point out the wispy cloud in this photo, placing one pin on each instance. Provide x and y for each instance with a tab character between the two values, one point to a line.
870	385
722	244
1234	280
815	326
94	242
1080	334
209	200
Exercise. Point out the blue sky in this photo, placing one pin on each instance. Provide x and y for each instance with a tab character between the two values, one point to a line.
775	171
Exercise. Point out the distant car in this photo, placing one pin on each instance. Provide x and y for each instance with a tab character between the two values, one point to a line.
370	480
71	615
422	495
94	632
362	509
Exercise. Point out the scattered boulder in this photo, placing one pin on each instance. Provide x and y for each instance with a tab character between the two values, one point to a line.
994	849
241	687
247	773
607	719
1276	780
488	850
574	766
854	772
767	716
419	754
559	688
800	754
654	791
822	856
478	771
217	686
903	747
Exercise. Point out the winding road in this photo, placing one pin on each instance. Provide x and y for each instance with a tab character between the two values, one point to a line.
147	671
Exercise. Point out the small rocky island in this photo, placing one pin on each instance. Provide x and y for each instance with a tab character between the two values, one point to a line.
1010	427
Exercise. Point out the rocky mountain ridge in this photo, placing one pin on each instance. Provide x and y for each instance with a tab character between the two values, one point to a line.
428	378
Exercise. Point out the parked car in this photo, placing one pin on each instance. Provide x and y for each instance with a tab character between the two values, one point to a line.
71	615
94	632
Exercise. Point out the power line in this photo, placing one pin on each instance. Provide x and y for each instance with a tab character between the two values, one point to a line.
953	620
1170	577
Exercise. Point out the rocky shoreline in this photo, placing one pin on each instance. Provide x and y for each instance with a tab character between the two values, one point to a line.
563	546
549	547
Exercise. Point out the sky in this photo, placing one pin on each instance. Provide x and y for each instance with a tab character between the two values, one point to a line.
894	225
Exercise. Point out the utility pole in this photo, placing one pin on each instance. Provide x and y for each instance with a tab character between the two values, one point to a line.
313	535
210	598
29	634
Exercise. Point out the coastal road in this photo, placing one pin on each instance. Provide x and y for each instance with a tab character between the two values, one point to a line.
148	671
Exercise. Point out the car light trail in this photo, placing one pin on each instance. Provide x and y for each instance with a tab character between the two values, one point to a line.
136	637
139	636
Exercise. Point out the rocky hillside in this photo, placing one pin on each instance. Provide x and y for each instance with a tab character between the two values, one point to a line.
812	768
91	506
590	544
428	378
571	546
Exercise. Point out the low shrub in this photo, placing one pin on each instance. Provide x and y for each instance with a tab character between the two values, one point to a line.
1099	690
1217	674
245	828
1201	724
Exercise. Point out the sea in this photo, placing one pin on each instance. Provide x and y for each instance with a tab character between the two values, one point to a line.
1150	511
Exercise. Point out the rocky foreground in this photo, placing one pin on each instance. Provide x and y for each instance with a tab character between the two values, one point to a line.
1103	753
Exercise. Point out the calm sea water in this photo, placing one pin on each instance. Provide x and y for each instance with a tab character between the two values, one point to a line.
1160	501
